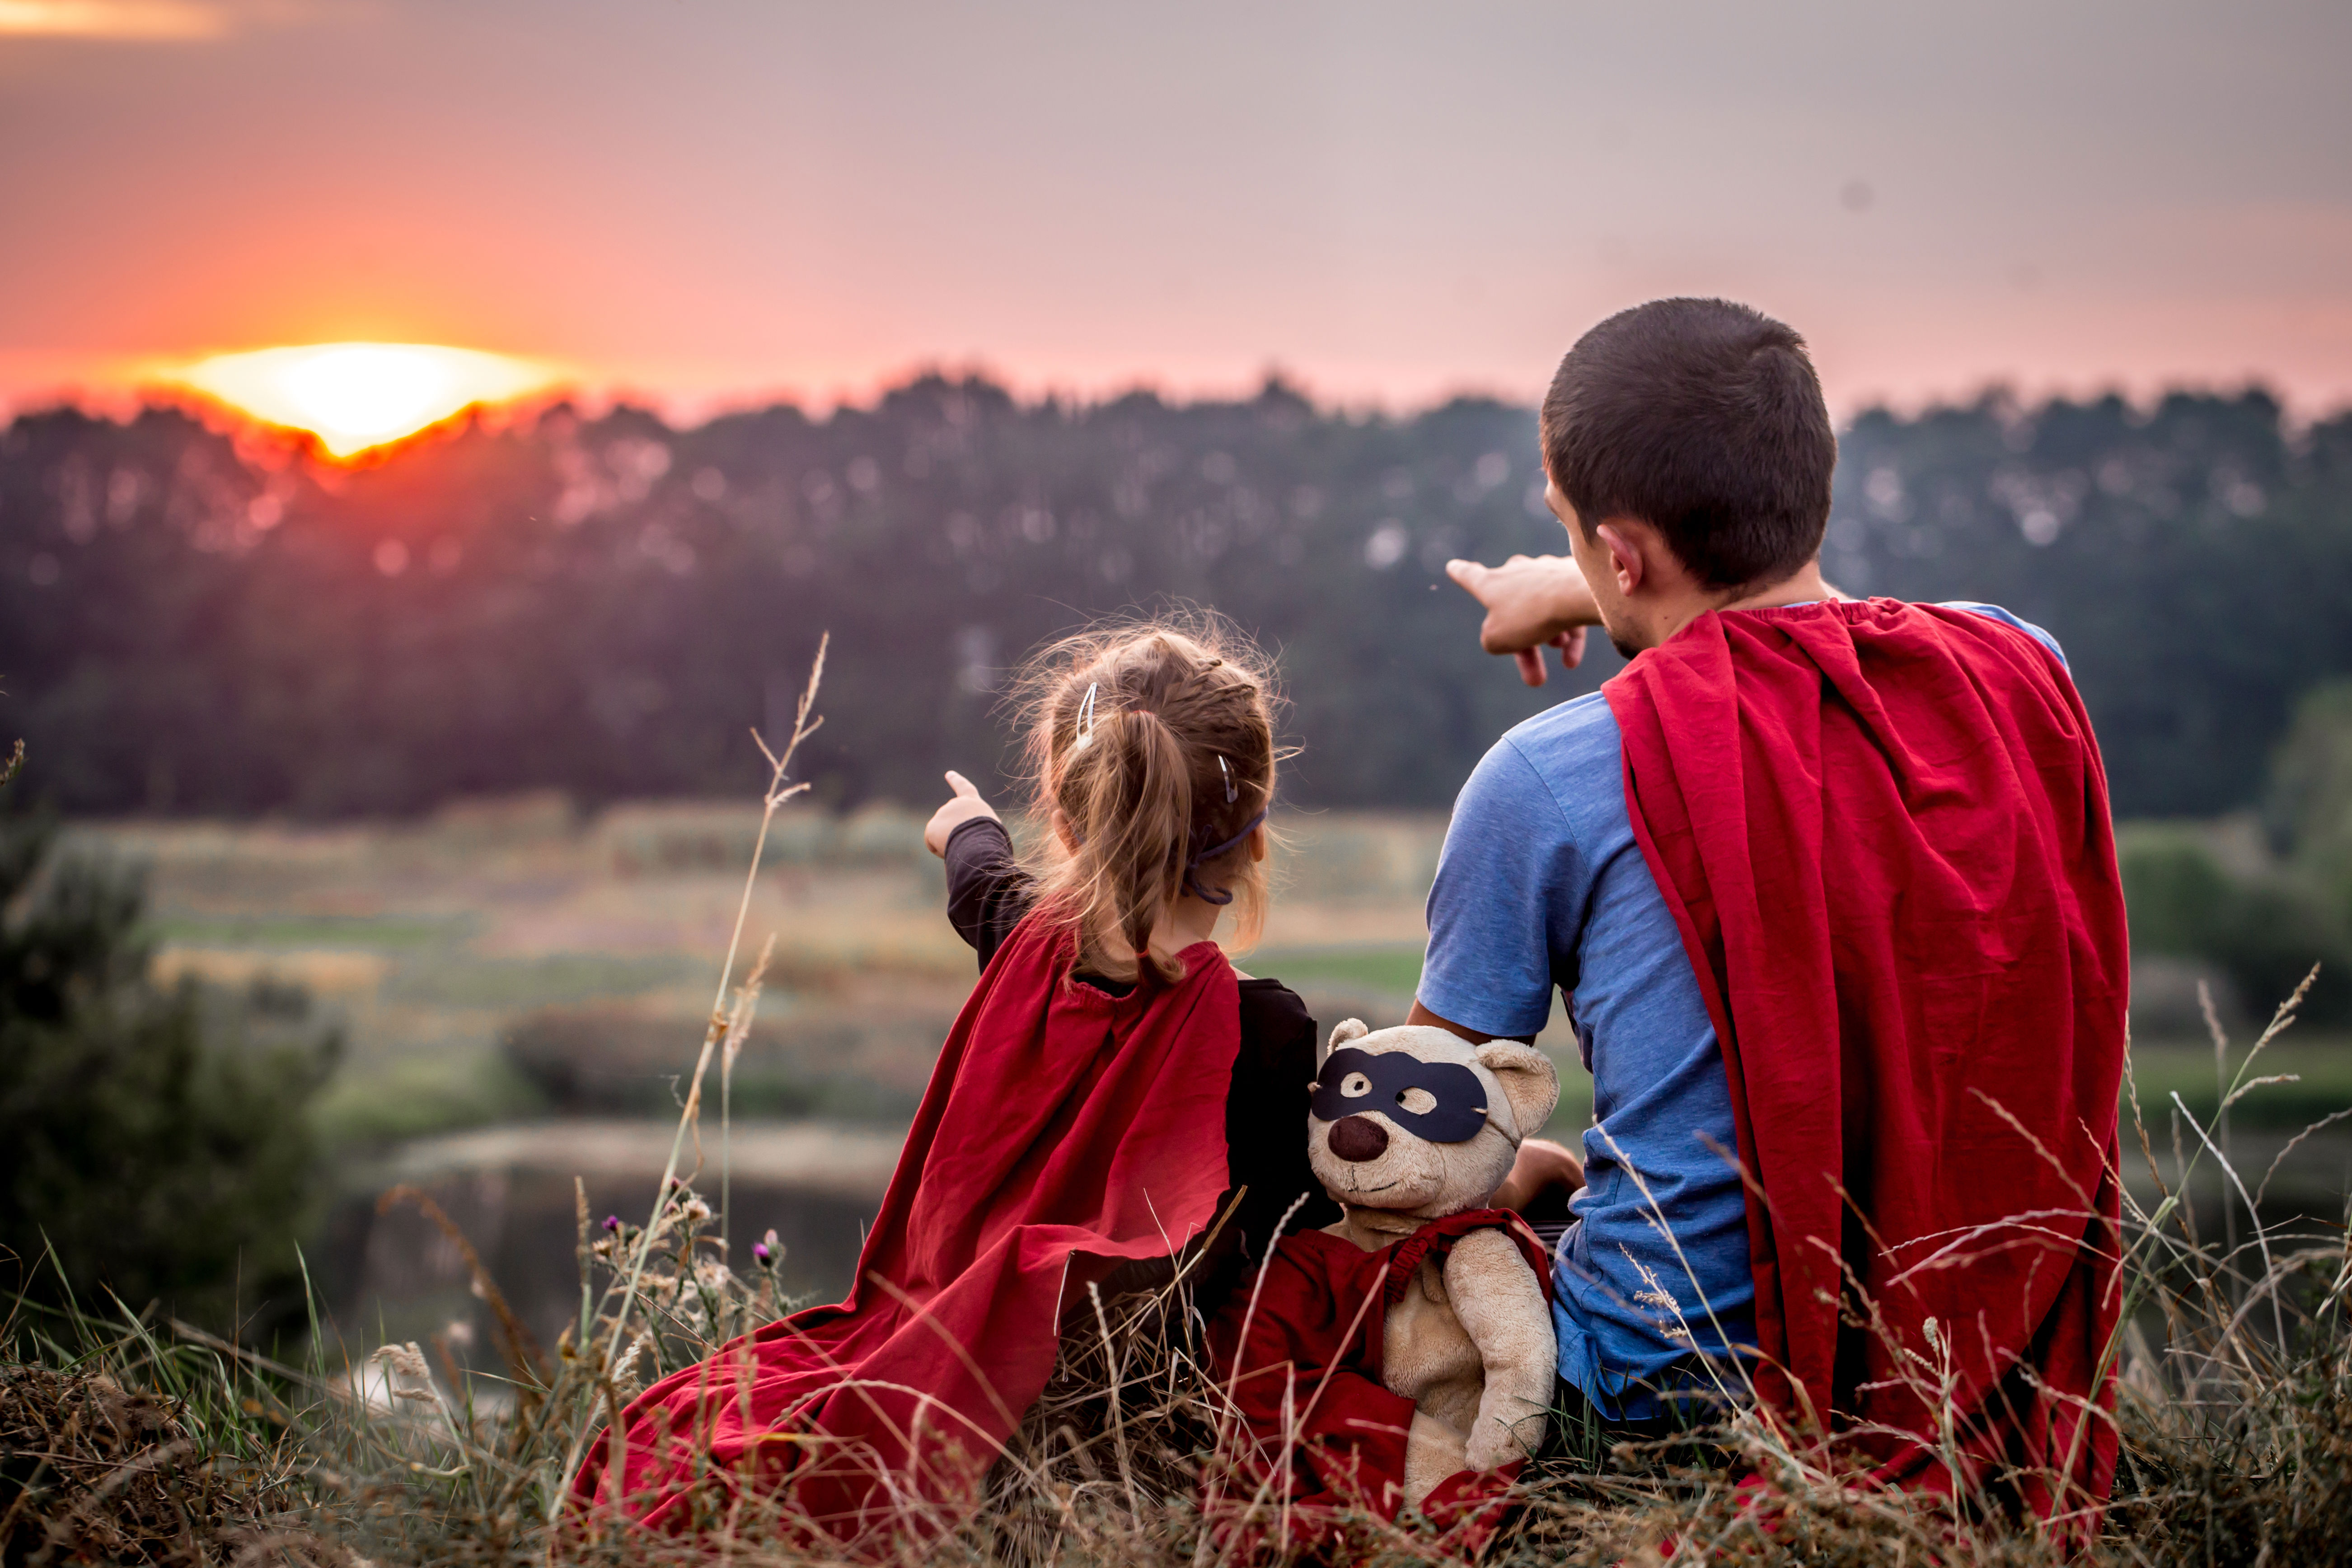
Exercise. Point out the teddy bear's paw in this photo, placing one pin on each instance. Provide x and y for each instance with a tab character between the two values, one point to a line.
1493	1445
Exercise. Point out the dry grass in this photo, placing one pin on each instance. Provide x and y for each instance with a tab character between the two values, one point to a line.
116	1447
2234	1408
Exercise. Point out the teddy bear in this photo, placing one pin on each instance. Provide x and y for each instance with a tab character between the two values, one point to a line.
1401	1356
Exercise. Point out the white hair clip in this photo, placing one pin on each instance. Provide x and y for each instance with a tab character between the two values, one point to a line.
1087	719
1231	793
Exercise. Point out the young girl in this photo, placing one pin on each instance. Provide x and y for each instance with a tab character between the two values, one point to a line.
1157	832
1109	1086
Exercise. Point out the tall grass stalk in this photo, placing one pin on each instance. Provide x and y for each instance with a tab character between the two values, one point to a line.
805	725
726	1026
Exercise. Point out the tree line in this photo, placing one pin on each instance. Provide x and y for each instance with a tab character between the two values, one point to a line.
196	622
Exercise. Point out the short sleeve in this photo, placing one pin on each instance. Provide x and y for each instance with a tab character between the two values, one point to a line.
1509	868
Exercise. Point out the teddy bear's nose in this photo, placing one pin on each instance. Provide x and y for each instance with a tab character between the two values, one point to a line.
1357	1138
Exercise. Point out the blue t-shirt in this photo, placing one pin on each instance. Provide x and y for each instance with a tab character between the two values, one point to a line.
1541	885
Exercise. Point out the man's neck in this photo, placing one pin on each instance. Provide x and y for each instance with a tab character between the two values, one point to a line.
1806	585
1803	587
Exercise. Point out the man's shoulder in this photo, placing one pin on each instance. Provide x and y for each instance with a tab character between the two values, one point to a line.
1569	738
1546	774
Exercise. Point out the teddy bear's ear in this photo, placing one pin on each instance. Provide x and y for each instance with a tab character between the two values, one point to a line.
1529	1083
1348	1029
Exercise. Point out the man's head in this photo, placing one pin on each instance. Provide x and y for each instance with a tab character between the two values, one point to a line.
1700	423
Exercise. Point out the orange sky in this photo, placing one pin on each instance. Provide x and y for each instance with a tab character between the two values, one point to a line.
711	200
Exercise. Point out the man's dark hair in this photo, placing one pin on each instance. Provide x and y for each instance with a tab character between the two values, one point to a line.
1703	419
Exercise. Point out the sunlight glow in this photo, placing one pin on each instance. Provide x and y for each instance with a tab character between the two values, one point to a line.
144	20
353	396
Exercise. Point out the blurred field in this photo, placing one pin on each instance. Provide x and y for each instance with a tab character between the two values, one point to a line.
522	991
505	960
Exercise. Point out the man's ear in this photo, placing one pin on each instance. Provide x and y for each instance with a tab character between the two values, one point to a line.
1529	1083
1624	554
1348	1029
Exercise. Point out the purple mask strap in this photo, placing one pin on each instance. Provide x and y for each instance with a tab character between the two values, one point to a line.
1220	896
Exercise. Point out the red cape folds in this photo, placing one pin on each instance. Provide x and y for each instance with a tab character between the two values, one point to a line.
1064	1131
1320	1434
1883	829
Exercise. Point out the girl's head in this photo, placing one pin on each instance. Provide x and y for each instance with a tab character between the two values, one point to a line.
1151	751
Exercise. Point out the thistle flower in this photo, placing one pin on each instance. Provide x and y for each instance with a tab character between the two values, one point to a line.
761	1255
611	1225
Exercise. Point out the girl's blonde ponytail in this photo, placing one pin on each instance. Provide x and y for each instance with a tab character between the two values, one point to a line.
1148	745
1136	805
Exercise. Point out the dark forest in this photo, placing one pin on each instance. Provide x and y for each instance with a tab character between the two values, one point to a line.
193	623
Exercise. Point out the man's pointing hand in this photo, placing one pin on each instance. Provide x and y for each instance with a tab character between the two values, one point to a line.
1533	603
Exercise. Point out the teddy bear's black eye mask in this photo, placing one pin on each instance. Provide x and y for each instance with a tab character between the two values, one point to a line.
1450	1108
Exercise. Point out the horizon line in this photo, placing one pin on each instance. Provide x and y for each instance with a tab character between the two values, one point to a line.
686	411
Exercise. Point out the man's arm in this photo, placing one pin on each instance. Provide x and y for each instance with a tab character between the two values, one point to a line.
1533	603
1423	1016
1487	972
1489	946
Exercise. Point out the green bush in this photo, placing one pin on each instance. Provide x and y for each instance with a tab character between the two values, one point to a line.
2269	932
156	1143
2173	889
2264	930
2310	799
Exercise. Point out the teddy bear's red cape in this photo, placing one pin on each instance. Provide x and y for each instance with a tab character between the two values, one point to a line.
1064	1131
1317	1434
1883	829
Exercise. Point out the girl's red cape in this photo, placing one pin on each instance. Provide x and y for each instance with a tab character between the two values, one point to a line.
1065	1131
1883	829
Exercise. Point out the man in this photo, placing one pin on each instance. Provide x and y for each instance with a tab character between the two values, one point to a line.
1831	893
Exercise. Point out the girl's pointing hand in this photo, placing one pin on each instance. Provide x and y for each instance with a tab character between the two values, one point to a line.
961	806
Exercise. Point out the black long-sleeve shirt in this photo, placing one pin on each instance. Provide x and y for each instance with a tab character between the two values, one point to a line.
1266	1104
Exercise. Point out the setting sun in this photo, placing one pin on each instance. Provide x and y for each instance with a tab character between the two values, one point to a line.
353	396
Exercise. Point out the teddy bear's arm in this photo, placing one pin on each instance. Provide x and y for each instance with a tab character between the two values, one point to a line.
1433	1451
1500	1304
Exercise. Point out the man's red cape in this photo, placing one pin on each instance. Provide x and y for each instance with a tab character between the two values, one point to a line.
1319	1437
1883	830
1065	1131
